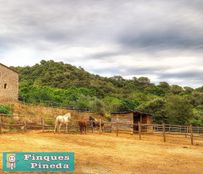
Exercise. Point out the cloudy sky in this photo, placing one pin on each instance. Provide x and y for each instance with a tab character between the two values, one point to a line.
160	39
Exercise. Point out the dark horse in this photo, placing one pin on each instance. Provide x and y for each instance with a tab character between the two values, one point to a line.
83	126
94	123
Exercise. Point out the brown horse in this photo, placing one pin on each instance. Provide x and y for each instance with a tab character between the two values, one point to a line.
83	126
96	123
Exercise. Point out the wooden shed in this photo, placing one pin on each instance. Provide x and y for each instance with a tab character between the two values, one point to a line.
131	117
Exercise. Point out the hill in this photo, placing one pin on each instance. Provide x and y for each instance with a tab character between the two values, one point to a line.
59	84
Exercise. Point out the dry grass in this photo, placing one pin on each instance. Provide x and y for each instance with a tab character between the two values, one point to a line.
34	113
108	154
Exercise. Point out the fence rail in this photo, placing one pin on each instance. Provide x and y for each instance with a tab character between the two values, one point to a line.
188	131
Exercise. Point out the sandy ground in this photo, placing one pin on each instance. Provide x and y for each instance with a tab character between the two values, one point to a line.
108	154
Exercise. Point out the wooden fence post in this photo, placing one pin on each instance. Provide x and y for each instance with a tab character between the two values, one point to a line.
191	135
164	132
25	126
42	121
91	123
1	122
67	128
186	132
140	130
111	127
169	128
100	125
116	127
132	128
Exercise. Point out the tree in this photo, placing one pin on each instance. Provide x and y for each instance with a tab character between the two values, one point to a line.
178	110
153	89
97	106
200	89
197	119
188	90
196	98
112	104
118	78
164	86
83	103
155	107
176	90
144	80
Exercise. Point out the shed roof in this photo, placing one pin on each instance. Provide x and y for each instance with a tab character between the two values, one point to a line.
134	112
8	68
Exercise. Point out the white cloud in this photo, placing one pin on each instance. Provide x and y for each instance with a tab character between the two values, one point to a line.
159	39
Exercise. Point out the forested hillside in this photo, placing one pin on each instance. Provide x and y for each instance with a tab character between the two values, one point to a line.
59	84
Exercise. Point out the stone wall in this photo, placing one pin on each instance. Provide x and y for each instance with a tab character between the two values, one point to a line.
8	84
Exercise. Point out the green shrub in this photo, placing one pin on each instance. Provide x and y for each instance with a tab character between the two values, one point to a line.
5	109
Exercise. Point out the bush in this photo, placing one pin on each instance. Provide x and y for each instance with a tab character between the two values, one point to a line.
5	109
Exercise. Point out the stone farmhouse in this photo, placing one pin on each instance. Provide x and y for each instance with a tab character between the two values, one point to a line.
8	84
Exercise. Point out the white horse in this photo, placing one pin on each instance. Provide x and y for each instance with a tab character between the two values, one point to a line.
60	120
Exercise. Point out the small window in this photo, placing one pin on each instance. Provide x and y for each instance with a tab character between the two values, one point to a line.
5	85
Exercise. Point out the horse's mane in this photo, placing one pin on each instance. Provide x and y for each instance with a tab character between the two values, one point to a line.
67	114
91	118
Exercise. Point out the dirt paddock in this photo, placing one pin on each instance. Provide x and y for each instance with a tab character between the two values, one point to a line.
108	154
